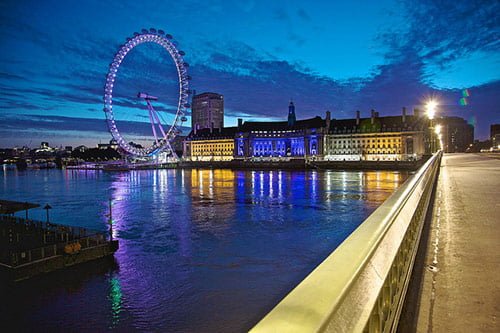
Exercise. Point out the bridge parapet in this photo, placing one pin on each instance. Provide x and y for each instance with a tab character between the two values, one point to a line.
361	286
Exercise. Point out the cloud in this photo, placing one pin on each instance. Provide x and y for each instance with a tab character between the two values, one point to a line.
303	15
440	32
15	122
280	14
8	76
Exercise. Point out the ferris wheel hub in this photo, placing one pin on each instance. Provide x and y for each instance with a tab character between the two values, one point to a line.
147	96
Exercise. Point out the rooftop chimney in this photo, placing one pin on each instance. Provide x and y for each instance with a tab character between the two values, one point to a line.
211	127
373	116
328	119
240	123
404	115
358	114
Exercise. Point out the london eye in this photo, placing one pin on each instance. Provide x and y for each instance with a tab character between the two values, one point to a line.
160	133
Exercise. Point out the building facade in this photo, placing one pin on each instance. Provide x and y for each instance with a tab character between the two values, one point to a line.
259	140
207	111
456	134
210	145
281	139
393	138
277	140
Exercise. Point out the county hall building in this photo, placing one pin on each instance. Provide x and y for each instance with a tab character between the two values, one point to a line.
391	138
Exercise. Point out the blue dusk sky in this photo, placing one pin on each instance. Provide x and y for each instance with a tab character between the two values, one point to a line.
340	56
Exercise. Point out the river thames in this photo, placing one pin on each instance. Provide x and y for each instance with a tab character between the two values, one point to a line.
200	250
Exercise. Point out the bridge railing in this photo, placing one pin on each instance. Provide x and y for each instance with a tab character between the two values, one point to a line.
361	286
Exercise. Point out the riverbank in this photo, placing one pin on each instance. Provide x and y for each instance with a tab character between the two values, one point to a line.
250	164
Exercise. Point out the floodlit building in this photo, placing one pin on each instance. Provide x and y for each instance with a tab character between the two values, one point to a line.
392	138
259	140
207	111
281	139
210	145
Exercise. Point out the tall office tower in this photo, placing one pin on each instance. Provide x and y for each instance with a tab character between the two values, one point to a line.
207	111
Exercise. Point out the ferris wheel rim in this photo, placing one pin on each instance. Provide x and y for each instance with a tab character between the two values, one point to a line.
164	40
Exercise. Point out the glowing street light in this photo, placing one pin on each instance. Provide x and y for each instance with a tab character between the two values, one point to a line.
437	129
430	107
47	207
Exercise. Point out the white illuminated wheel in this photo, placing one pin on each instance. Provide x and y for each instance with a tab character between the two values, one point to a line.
161	137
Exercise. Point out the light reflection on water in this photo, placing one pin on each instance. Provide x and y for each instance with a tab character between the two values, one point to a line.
200	250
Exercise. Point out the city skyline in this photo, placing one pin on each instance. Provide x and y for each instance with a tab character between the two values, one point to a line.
328	57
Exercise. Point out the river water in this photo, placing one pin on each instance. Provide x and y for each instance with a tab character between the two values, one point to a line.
200	250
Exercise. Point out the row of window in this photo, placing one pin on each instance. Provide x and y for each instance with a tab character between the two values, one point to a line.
366	146
343	152
367	140
370	130
202	149
212	146
215	148
212	153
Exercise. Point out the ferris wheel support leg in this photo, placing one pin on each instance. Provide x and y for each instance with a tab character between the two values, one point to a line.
155	115
174	155
153	125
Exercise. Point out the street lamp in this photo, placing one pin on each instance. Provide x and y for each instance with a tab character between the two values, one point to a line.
430	107
437	130
110	221
47	207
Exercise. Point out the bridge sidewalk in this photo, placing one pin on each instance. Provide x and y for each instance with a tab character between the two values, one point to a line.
457	287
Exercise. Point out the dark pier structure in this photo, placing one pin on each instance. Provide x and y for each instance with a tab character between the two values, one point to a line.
29	248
